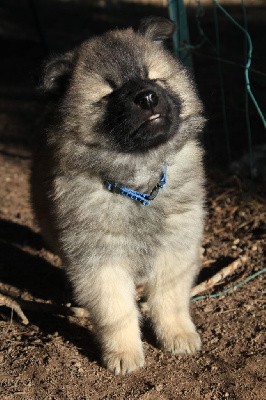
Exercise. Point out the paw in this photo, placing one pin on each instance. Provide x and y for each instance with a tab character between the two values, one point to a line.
123	362
182	343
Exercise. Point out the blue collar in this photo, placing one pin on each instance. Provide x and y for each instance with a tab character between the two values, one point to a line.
143	198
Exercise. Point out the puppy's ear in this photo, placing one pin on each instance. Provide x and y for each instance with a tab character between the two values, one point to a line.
157	29
57	73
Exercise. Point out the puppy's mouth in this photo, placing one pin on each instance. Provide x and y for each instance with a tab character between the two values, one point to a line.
153	120
153	131
153	117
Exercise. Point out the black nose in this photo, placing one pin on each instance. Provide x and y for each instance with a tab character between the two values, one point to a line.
147	99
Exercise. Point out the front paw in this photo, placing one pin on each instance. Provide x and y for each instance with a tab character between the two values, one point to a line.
181	343
123	362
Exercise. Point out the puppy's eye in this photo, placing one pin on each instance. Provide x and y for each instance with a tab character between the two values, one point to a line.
111	83
162	81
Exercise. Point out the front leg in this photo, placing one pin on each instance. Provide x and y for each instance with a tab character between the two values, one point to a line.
109	294
168	300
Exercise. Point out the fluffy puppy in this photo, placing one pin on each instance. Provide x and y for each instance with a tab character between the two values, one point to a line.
117	186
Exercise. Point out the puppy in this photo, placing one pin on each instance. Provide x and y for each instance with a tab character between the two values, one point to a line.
117	186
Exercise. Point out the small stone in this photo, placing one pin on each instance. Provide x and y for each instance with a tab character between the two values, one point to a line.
77	364
159	387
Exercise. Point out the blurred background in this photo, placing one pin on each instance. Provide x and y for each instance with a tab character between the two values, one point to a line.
214	39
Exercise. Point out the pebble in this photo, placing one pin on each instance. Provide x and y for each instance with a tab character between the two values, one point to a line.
159	387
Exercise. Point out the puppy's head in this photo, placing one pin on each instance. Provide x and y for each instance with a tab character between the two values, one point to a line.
124	90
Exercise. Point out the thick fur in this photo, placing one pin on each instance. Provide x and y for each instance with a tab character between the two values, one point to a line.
109	244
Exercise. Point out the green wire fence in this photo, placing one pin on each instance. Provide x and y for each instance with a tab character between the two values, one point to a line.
231	288
211	45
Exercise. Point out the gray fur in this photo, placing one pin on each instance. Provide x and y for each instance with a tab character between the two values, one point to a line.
110	244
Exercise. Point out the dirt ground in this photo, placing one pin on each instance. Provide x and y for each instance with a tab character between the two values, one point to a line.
55	357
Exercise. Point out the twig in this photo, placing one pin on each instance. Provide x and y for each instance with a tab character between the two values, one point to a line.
208	262
82	312
14	305
223	194
202	287
53	308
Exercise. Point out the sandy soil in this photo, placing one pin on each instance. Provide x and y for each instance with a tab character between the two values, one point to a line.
55	357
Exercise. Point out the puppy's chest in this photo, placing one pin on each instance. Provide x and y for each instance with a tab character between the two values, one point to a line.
112	226
88	206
